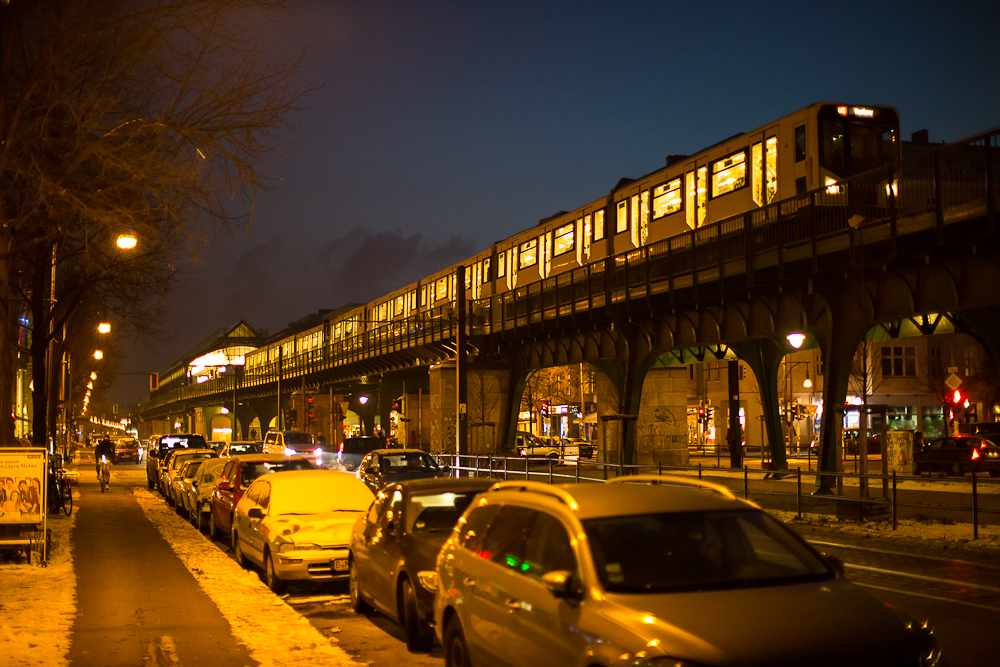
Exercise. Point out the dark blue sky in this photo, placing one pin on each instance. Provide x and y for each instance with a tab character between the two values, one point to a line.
444	126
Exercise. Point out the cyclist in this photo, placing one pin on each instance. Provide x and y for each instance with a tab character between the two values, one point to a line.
106	449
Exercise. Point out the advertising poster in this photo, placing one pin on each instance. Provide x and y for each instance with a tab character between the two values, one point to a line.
22	473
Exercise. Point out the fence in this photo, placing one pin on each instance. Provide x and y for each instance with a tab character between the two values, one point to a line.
968	498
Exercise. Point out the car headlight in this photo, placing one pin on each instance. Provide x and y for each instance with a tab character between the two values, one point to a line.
296	546
318	451
428	579
290	452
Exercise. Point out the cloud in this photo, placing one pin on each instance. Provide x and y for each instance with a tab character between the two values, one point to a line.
361	266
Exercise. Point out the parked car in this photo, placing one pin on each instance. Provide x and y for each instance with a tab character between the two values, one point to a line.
548	446
851	441
199	493
159	445
352	450
127	451
957	455
237	475
296	525
182	482
652	570
242	447
173	465
290	443
388	466
397	542
585	448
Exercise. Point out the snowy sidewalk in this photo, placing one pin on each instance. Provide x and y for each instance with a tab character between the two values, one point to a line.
131	596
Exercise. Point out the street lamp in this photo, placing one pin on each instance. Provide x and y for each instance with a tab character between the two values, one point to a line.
126	241
98	354
104	327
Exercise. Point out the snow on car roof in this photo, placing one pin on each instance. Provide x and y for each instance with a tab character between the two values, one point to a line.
267	458
316	491
604	500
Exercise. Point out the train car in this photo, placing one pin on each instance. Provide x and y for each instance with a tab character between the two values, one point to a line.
815	147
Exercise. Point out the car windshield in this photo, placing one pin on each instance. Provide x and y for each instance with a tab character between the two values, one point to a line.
254	469
436	511
244	448
298	439
175	441
192	469
681	551
407	462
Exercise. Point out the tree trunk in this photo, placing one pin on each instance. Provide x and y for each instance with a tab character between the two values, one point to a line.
8	341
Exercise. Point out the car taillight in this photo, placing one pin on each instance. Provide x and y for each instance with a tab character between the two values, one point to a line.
975	454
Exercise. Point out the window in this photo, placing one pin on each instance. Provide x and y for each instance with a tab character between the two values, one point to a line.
702	191
442	288
500	265
771	168
667	199
529	254
622	221
473	532
598	225
729	174
565	236
970	361
800	185
800	143
487	265
508	536
692	199
549	548
423	296
899	361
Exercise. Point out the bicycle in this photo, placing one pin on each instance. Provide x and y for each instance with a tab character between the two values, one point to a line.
62	495
105	474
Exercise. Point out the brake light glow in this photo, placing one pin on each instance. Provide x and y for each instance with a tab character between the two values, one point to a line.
975	454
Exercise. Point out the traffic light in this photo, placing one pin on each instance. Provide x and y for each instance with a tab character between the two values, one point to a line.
309	407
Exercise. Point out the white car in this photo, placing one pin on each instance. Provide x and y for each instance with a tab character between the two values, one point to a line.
199	494
297	525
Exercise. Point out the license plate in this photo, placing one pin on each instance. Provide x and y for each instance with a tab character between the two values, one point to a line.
340	565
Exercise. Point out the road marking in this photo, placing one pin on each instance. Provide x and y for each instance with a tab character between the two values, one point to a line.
960	584
930	597
163	647
907	555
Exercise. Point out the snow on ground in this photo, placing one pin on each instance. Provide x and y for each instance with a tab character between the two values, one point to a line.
275	634
38	605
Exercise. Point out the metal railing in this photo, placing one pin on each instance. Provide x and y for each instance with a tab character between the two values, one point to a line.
883	501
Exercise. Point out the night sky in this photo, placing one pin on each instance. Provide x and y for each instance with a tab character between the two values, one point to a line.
442	127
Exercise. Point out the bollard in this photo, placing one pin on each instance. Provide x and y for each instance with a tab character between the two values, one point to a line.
892	500
798	492
578	470
975	509
746	482
699	471
550	470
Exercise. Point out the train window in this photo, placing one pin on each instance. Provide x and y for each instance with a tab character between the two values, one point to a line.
667	198
833	147
500	264
756	173
486	270
565	236
598	225
729	173
442	288
529	254
622	224
702	191
423	296
800	143
399	306
692	198
771	168
469	272
431	295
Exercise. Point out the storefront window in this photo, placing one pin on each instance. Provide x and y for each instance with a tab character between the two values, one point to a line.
667	198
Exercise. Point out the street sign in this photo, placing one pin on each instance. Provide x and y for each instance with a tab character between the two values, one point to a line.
952	382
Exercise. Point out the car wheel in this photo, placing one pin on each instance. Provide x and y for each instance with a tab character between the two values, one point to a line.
149	483
193	514
456	652
956	470
357	602
238	551
276	585
415	639
348	465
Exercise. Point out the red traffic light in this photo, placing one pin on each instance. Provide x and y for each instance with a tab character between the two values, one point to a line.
956	397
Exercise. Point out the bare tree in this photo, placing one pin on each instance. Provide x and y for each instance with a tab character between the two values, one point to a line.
143	116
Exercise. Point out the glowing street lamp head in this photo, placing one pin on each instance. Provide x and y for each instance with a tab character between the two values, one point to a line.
98	355
126	241
362	399
796	339
104	327
93	375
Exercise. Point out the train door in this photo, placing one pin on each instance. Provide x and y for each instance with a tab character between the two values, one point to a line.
764	166
696	193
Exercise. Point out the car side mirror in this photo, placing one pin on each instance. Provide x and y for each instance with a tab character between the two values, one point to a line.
255	513
224	486
560	583
835	563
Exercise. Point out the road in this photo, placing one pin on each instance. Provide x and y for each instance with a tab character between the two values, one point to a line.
956	588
